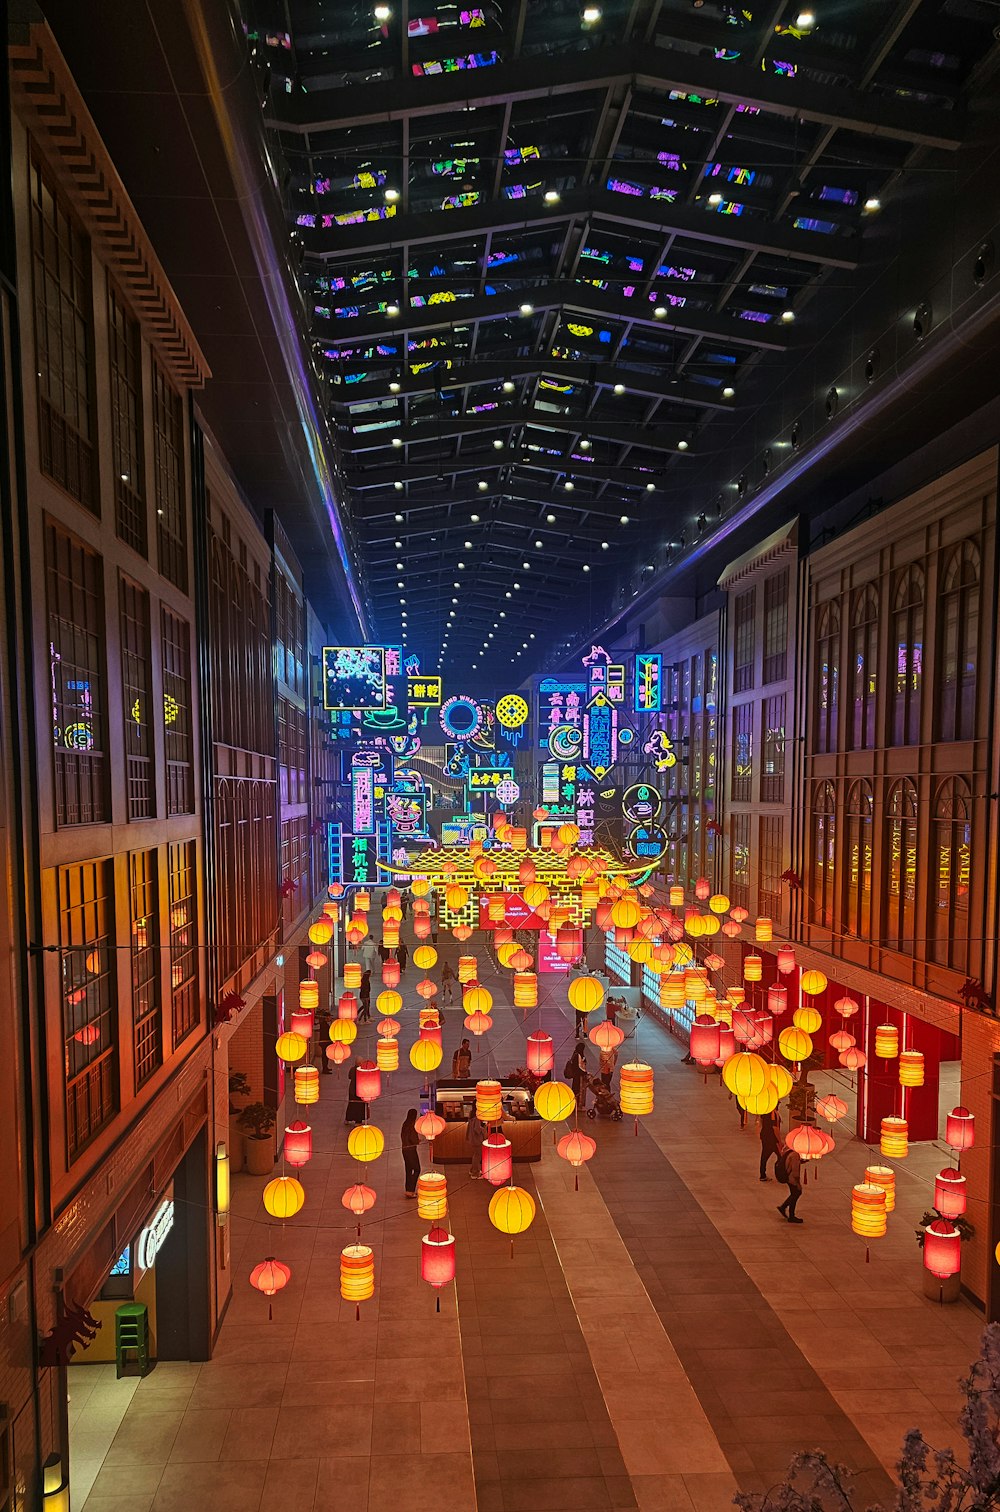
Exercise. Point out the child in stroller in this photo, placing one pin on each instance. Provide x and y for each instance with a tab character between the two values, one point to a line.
605	1104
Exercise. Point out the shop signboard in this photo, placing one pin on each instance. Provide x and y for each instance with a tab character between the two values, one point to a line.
648	682
423	692
560	703
151	1238
354	677
362	798
549	959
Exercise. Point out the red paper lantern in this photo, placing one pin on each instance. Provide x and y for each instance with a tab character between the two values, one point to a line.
430	1124
942	1249
437	1257
577	1148
704	1045
270	1276
315	959
777	999
302	1022
388	1028
541	1056
338	1053
606	1035
950	1197
369	1082
298	1143
727	1044
853	1058
786	959
498	1163
390	973
479	1023
347	1006
743	1026
842	1039
960	1129
358	1199
426	989
846	1007
569	943
702	889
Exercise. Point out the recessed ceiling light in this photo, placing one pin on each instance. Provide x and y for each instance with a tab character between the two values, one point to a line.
392	309
527	309
660	311
508	385
728	392
650	487
474	519
526	566
516	586
482	485
402	601
456	585
382	13
400	583
682	446
787	315
604	545
619	388
538	545
586	567
399	519
623	519
397	440
508	595
398	545
585	445
454	601
399	566
715	198
532	635
872	203
550	519
551	196
569	484
461	566
497	444
394	385
467	545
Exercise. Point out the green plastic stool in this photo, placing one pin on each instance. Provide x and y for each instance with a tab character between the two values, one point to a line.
131	1338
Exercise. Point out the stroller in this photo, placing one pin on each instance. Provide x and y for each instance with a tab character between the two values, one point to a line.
605	1104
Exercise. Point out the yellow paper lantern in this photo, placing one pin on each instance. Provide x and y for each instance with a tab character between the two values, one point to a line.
813	983
761	1103
884	1177
389	1002
795	1044
344	1031
357	1273
352	975
425	1055
554	1101
753	968
525	989
365	1142
640	951
868	1210
468	968
676	897
489	1104
387	1055
781	1080
808	1019
290	1047
586	994
512	1210
456	897
763	930
886	1041
683	954
320	933
718	903
672	991
911	1068
636	1091
283	1197
478	1000
309	994
424	957
535	893
745	1074
894	1142
432	1195
306	1084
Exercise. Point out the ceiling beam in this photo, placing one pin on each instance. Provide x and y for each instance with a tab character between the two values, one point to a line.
414	472
658	69
564	295
665	437
334	243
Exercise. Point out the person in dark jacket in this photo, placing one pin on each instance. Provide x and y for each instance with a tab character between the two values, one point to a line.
355	1112
402	956
793	1180
410	1140
770	1141
321	1036
461	1061
365	1012
578	1061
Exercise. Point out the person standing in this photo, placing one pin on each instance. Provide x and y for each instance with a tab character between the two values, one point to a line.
368	954
355	1112
321	1035
402	956
770	1143
461	1061
366	998
410	1140
789	1170
608	1062
578	1073
447	979
475	1133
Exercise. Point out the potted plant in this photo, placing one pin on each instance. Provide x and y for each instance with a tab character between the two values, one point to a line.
950	1289
238	1087
258	1121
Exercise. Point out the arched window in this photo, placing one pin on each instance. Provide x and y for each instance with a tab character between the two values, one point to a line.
858	862
898	928
907	652
824	854
864	668
958	640
827	675
951	838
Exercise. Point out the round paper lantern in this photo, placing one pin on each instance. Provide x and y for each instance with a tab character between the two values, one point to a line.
468	968
777	999
894	1141
298	1146
763	930
781	1079
576	1147
831	1107
718	903
942	1249
456	897
808	1018
387	1054
606	1035
636	1091
302	1022
753	968
525	989
390	973
357	1274
338	1053
795	1044
283	1197
477	1000
846	1007
437	1258
358	1199
868	1210
812	983
886	1041
321	933
344	1030
554	1101
512	1210
347	1006
786	959
568	834
498	1162
389	1003
478	1023
761	1103
807	1142
305	1081
369	1081
960	1129
430	1124
352	975
365	1142
388	1028
840	1039
424	957
426	989
885	1177
541	1055
950	1197
489	1105
853	1058
425	1054
521	960
730	929
704	1040
745	1074
586	994
290	1048
911	1068
270	1277
432	1194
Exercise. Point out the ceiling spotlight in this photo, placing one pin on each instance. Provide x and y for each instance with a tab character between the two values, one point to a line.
551	196
399	566
391	196
872	203
394	385
461	566
527	309
715	198
508	595
682	446
398	485
392	309
456	585
538	545
569	484
590	15
497	444
482	485
503	614
623	519
728	392
454	601
474	519
382	13
397	440
805	20
402	601
398	545
604	545
532	635
787	315
508	385
550	519
650	487
400	583
586	567
516	586
585	445
619	388
467	545
398	519
526	566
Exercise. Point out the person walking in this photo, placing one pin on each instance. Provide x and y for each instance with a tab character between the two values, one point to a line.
447	984
355	1112
770	1141
321	1035
368	953
410	1140
578	969
461	1061
788	1169
576	1070
608	1062
475	1133
365	1012
402	956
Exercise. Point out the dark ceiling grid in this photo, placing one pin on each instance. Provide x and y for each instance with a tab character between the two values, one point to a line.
649	398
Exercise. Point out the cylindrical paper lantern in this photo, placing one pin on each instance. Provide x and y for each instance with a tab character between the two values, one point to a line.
489	1105
885	1177
468	968
525	989
306	1084
753	968
497	1159
942	1249
387	1054
390	973
950	1196
352	975
704	1042
347	1006
763	930
886	1041
432	1194
636	1093
369	1081
894	1141
298	1146
777	999
911	1068
868	1210
541	1055
357	1273
302	1022
437	1257
960	1129
309	994
786	959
